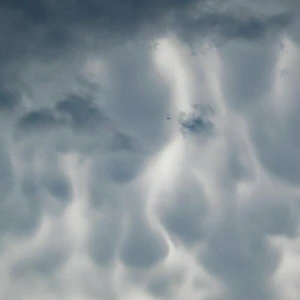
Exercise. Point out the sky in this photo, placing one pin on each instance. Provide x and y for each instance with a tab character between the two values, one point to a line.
149	150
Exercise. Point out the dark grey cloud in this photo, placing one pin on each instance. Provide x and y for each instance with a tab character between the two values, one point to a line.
124	167
233	22
143	247
6	174
44	262
73	123
20	217
75	111
80	113
55	182
239	165
40	120
50	30
249	71
57	106
198	121
139	99
41	186
238	248
183	212
241	258
103	239
47	30
164	284
59	188
81	11
273	214
9	99
276	142
274	135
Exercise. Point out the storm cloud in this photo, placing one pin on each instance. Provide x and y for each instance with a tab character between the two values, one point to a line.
149	149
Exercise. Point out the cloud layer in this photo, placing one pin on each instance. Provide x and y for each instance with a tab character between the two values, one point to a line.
149	150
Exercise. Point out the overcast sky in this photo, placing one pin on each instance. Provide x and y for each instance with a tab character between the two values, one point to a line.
149	149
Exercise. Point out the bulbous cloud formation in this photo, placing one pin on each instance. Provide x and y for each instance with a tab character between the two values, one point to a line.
149	149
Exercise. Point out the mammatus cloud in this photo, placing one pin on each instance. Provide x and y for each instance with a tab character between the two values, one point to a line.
149	150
